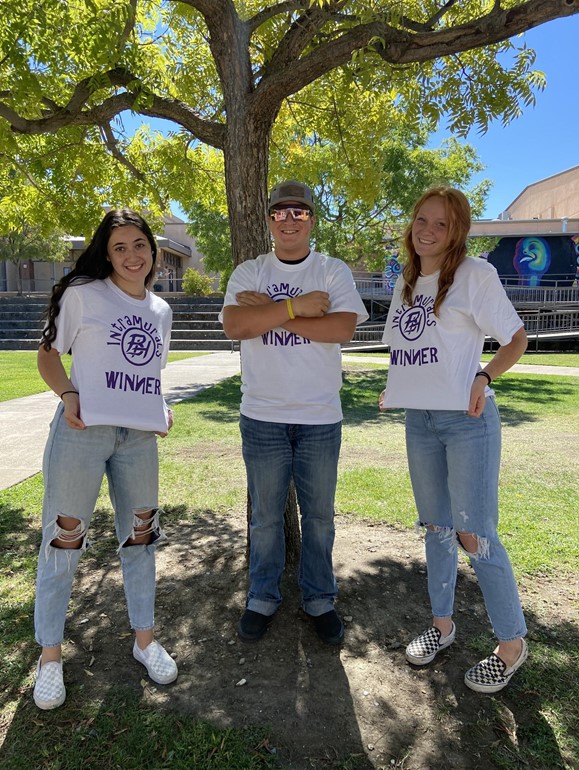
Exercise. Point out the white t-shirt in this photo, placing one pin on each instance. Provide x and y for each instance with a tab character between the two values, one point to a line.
433	360
119	346
285	377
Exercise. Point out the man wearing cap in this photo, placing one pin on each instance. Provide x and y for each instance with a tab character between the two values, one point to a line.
291	309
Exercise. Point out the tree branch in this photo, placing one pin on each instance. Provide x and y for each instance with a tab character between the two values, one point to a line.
75	114
403	47
112	146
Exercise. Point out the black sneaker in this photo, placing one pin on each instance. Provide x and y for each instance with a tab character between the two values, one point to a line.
253	625
329	627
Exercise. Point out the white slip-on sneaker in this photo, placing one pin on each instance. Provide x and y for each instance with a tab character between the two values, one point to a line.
159	664
49	690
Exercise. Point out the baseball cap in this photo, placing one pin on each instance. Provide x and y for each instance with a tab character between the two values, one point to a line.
291	191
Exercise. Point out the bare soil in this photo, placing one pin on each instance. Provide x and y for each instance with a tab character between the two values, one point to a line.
357	706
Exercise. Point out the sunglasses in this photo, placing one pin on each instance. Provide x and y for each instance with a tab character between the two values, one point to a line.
280	215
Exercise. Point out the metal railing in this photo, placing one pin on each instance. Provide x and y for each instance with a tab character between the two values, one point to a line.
372	286
539	325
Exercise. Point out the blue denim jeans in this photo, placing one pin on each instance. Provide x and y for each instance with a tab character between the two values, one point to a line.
273	454
74	465
454	465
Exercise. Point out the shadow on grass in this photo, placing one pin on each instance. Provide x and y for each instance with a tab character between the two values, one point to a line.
303	704
19	542
520	398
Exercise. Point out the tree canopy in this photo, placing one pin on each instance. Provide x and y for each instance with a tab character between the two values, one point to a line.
238	80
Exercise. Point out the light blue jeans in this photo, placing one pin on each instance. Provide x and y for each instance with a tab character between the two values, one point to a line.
273	454
74	465
454	465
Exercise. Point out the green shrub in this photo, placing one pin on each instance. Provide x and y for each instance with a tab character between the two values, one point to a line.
196	284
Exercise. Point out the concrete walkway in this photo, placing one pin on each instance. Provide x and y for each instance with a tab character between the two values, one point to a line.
26	421
563	371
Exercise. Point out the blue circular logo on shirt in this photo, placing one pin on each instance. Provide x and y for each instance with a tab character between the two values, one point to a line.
412	322
138	346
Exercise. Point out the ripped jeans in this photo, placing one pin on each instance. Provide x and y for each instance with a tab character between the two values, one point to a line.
454	465
74	465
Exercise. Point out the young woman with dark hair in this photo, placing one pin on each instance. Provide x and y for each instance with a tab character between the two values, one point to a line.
110	413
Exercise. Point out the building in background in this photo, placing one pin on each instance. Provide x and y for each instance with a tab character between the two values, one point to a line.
555	197
539	233
177	251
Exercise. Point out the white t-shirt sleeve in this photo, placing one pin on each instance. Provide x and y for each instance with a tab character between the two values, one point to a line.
394	303
243	278
167	339
493	311
68	321
343	293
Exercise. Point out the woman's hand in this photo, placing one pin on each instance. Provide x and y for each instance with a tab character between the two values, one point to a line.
170	420
477	399
381	406
71	403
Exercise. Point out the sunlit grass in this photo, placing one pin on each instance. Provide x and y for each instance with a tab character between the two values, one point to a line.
20	376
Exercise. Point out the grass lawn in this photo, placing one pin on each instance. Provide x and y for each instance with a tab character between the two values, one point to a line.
20	377
539	503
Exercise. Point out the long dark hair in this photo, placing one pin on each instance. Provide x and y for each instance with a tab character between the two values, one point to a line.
93	265
459	221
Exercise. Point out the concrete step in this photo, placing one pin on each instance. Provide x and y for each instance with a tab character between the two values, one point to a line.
223	344
19	344
198	334
25	334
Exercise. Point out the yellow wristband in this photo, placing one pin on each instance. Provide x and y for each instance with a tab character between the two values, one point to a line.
290	309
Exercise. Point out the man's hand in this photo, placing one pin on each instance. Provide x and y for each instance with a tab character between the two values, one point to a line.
251	298
314	304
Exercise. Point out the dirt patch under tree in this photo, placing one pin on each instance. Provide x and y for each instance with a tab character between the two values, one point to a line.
358	706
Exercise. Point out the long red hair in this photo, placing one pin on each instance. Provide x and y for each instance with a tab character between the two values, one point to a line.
459	222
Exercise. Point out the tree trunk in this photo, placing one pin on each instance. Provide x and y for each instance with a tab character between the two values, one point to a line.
291	528
246	185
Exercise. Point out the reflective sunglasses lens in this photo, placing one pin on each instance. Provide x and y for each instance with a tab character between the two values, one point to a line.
280	215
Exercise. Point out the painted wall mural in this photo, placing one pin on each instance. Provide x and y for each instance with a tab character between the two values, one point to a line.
392	269
535	260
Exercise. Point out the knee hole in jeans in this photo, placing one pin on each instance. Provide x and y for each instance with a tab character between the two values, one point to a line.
69	533
475	546
468	541
145	527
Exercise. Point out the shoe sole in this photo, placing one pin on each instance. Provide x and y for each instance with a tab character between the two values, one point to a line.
492	688
425	660
47	705
152	678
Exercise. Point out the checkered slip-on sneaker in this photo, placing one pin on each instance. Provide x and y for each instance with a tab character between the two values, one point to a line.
425	647
492	674
49	690
159	664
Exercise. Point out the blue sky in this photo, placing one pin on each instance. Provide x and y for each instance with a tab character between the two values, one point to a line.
545	139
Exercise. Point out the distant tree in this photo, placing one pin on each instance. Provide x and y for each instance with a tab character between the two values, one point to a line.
29	244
